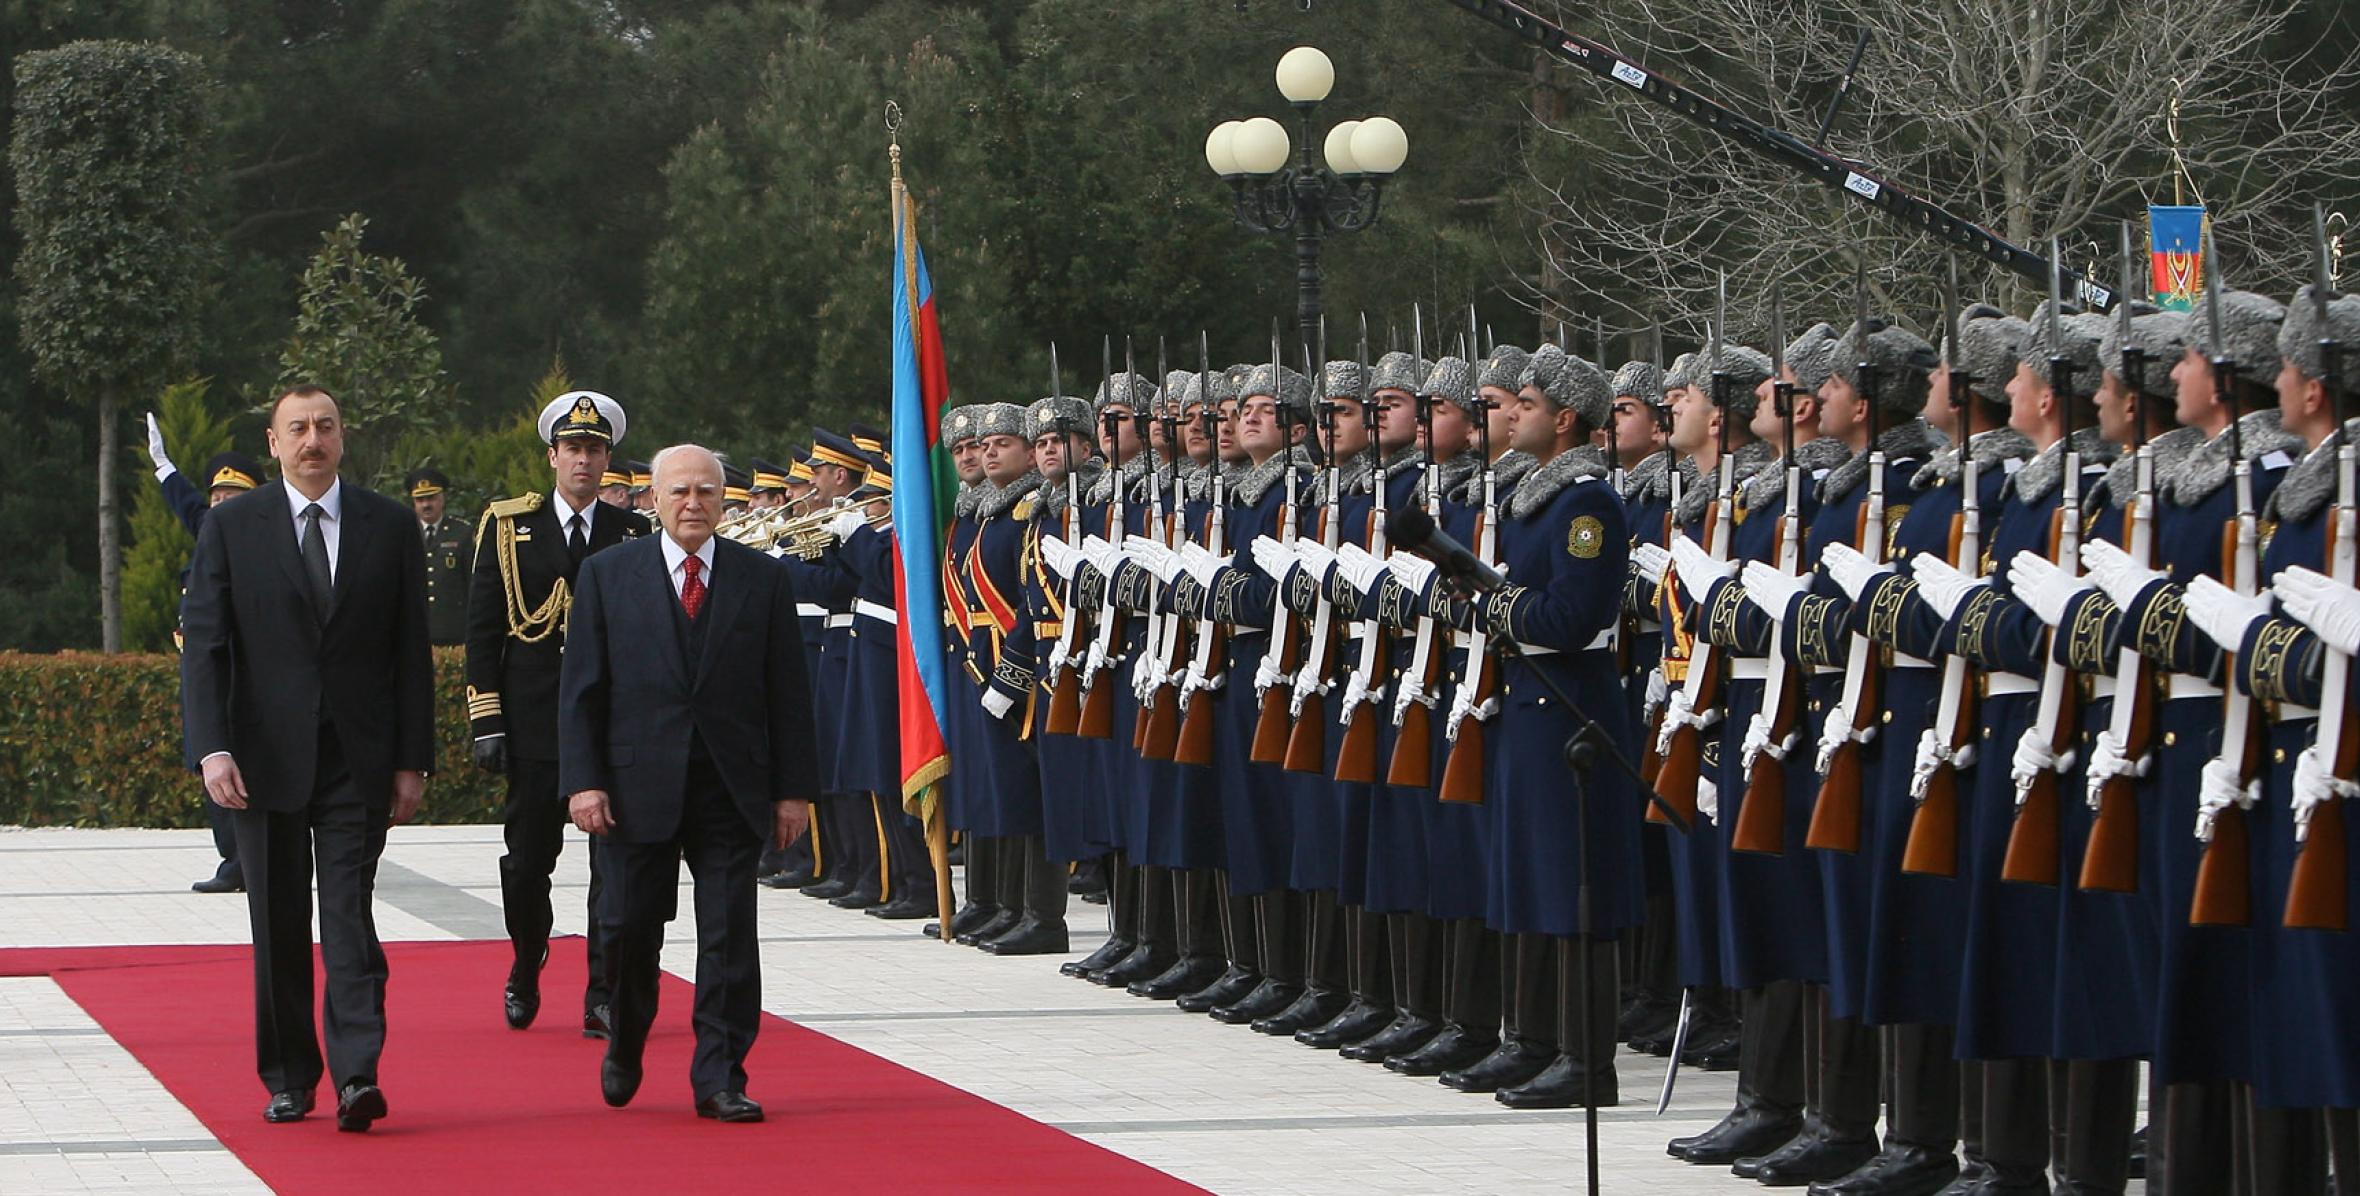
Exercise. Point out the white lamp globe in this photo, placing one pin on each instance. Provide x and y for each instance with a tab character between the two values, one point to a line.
1339	148
1220	154
1260	146
1379	146
1305	75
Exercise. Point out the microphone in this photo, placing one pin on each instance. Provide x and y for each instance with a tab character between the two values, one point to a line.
1413	530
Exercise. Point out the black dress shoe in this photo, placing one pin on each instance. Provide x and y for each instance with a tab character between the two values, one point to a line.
1228	988
793	879
826	890
1000	922
1030	936
1564	1084
1407	1033
1316	1007
1814	1157
1269	999
729	1106
1106	956
1360	1019
1744	1133
520	1001
1901	1169
358	1105
1456	1047
1140	964
618	1079
1187	974
598	1022
1513	1062
288	1106
228	880
904	908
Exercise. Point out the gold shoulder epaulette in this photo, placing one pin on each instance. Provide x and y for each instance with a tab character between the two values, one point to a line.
522	504
1025	507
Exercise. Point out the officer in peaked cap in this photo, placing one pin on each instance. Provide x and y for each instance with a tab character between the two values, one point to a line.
450	553
769	486
737	489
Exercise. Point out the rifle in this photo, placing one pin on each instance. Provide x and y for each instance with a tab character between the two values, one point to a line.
1932	847
2110	862
1651	713
1475	698
1284	653
1097	718
1356	759
1065	697
1680	741
1835	820
1760	827
1307	743
1413	702
2315	894
2033	852
1161	719
1204	667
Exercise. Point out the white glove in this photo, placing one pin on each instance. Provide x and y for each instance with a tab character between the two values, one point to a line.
1316	559
1696	568
1153	557
1851	571
1757	741
1708	800
1774	592
997	704
1414	572
2218	790
1650	560
1060	556
1202	564
1923	765
1659	691
1273	558
1355	695
847	522
1105	557
1361	569
1059	656
1943	587
1267	673
2328	607
1838	730
2221	613
2115	572
2315	782
156	453
2033	758
2043	586
2108	761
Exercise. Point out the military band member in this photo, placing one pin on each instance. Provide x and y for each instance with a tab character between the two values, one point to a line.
614	487
870	743
769	486
527	552
450	554
796	865
844	827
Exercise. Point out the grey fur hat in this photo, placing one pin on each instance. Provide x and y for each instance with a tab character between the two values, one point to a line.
1131	390
1544	368
1002	419
1682	373
2160	335
961	424
1397	371
2250	324
1641	380
1571	382
2080	335
1503	368
1745	369
1812	356
1903	361
1341	380
1230	383
1289	387
1044	415
1178	385
2299	337
1452	380
1988	341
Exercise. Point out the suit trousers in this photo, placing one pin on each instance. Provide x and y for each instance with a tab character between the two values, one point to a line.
534	824
278	850
642	894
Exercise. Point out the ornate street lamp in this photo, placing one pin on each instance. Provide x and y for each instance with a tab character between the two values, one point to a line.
1307	198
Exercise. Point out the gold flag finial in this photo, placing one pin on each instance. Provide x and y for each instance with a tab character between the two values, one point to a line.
893	136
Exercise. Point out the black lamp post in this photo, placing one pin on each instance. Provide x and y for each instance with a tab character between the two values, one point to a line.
1310	199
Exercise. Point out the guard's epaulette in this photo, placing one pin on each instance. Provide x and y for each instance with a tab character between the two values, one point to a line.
522	504
1026	507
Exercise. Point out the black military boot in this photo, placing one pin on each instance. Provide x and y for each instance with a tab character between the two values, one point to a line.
1268	999
1122	914
1768	1113
1407	1032
1900	1169
1315	1008
1820	1152
1572	1079
1359	1019
1456	1048
1041	931
1228	988
1186	975
1143	962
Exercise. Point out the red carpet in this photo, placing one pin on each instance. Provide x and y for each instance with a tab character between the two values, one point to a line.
477	1107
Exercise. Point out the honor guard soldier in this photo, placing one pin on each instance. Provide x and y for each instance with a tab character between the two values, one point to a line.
228	474
527	552
1076	822
966	790
450	555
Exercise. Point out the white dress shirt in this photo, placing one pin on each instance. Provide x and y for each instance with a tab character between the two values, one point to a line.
566	514
674	554
331	518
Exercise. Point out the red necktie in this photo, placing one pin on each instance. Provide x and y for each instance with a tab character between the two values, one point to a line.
692	586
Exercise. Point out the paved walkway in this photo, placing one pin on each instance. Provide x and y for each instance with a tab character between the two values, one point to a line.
1218	1105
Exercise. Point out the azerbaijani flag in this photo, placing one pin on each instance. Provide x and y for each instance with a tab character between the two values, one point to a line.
923	486
2176	255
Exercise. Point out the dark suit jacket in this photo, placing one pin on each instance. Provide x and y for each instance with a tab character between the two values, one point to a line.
511	684
629	695
260	674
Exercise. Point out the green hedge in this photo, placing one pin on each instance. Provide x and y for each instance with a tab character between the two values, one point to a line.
91	740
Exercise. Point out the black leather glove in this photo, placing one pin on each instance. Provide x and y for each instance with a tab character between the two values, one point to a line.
491	754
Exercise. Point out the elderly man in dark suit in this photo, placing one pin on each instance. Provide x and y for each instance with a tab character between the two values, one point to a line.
309	692
685	731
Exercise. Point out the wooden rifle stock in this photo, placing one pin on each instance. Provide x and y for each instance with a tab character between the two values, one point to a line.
1836	816
1195	742
1065	701
1462	774
1356	761
2110	862
1159	731
1307	742
1271	731
2224	876
1932	848
2035	852
1682	766
1096	720
1760	828
2316	894
1413	741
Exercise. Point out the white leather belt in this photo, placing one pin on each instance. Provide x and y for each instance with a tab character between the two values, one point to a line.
1999	685
2290	713
811	610
1825	670
1650	627
875	610
1749	668
1903	660
2188	685
842	620
1525	649
2102	686
1604	641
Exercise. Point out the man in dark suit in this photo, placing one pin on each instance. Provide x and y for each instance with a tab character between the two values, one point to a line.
309	693
526	559
685	730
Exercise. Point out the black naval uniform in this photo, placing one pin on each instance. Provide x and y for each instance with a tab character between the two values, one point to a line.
525	563
450	560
